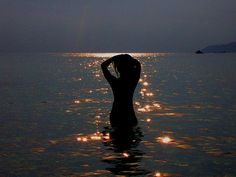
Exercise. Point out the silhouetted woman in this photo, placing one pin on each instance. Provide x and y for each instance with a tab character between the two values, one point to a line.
123	86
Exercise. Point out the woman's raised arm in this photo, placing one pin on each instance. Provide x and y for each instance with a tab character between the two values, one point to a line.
110	78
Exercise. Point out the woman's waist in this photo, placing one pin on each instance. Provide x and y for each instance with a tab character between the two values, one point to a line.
122	103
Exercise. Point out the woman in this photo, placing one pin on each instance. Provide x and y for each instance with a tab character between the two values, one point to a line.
123	86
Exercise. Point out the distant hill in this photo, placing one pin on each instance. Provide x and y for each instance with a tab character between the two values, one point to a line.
224	48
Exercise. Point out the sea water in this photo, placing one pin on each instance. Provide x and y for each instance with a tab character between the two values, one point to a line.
54	116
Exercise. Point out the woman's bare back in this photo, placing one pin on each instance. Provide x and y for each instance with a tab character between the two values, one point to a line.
123	114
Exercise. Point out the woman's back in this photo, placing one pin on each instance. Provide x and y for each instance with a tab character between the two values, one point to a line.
128	69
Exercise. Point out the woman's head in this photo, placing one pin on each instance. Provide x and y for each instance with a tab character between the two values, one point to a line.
124	64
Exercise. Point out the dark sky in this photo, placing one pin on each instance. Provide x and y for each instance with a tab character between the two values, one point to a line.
115	25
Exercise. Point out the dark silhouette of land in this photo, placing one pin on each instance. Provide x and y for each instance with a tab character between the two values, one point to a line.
128	73
223	48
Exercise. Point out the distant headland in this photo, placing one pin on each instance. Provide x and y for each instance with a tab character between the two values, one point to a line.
223	48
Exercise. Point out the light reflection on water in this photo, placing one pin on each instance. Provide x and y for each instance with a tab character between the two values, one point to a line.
122	155
55	119
109	55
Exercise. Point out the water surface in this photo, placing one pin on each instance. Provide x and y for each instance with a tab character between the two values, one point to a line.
54	115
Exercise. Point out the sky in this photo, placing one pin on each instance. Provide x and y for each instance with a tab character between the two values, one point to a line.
115	25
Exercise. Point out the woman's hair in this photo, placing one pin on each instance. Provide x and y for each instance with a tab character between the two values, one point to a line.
123	64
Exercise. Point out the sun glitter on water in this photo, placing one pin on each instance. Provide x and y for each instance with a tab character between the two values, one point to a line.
165	140
108	55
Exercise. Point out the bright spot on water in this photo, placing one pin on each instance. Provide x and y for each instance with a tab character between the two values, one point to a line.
95	137
149	94
107	136
84	139
125	154
157	105
165	140
145	84
148	120
157	174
